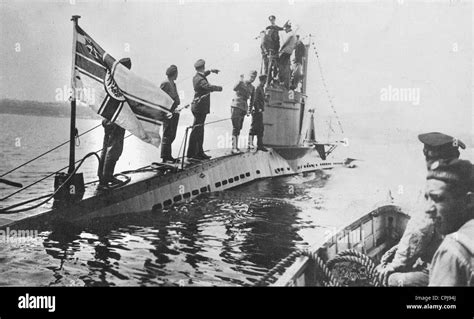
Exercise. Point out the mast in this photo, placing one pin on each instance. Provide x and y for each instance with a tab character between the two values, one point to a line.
72	132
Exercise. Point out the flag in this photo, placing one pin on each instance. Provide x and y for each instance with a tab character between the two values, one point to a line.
116	93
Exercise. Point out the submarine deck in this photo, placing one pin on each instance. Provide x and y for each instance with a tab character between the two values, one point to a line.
157	189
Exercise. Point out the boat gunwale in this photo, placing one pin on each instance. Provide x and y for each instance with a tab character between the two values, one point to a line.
297	269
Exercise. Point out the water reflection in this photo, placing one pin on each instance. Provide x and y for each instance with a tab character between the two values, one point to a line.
228	238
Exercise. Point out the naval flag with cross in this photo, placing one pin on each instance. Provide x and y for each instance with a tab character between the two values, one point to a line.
119	95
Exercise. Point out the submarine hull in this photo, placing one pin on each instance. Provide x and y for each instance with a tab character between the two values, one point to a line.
148	191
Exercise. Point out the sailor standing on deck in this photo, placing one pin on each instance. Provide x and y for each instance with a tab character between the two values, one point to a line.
272	31
112	147
256	109
297	68
284	63
244	91
170	125
410	263
271	44
200	108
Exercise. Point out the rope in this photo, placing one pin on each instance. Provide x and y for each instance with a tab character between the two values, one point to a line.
53	149
278	267
327	269
326	87
355	256
330	280
388	256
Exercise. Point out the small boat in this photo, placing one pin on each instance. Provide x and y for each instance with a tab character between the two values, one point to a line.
348	257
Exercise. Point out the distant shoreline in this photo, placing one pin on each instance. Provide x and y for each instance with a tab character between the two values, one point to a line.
36	108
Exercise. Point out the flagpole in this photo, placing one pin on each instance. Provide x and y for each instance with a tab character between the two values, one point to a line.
72	135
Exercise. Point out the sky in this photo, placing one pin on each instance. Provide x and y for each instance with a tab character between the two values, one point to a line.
369	51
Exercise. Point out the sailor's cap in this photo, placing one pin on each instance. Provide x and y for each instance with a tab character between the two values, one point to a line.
171	70
454	171
437	139
199	63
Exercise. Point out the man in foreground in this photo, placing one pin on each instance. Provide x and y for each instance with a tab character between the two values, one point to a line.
410	263
450	205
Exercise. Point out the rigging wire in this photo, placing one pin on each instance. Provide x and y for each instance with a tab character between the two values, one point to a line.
46	177
6	211
49	151
323	79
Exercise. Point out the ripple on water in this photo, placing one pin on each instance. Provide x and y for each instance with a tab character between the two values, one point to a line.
227	238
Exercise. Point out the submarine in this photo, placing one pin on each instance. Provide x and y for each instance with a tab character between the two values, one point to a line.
291	151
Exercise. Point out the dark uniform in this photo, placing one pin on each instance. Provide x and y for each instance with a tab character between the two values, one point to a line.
271	45
112	146
239	107
200	109
170	126
420	240
300	52
257	108
274	38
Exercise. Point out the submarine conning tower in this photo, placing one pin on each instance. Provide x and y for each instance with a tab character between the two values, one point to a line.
285	108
